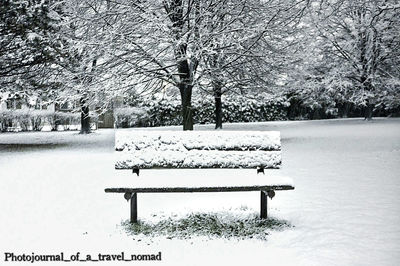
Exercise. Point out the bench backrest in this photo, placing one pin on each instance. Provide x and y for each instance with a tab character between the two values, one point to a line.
197	149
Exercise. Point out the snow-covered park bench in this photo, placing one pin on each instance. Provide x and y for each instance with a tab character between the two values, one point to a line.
141	150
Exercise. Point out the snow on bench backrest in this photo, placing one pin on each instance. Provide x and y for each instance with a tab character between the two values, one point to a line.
197	149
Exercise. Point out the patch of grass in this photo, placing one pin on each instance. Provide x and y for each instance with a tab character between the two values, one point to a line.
212	225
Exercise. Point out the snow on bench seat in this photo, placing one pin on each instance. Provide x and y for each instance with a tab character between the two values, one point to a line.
197	149
207	180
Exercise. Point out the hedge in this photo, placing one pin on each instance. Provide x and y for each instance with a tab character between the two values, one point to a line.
31	119
167	112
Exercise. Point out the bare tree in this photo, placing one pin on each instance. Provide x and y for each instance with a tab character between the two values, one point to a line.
86	37
358	44
247	46
146	46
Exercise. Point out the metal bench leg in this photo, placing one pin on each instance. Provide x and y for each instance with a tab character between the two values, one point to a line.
264	205
134	208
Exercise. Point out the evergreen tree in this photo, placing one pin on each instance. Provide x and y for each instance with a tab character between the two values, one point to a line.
28	45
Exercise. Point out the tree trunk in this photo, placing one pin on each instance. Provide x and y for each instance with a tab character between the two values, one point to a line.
187	112
185	87
186	68
218	107
85	119
368	110
369	105
346	109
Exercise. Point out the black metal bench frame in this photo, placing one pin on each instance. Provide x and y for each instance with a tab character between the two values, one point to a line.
131	194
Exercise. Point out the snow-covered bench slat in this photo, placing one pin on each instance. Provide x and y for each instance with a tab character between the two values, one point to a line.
199	189
197	149
145	159
200	149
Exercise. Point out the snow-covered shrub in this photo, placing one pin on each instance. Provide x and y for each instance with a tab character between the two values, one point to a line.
37	118
32	119
67	119
14	119
389	99
53	119
165	113
204	111
22	118
263	108
315	103
130	116
5	120
56	119
25	119
332	99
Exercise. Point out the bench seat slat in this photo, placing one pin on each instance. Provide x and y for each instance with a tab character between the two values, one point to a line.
194	178
197	189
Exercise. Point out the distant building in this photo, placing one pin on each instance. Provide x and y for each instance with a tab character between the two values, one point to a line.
13	101
107	119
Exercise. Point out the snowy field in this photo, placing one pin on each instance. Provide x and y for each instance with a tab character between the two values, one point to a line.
345	209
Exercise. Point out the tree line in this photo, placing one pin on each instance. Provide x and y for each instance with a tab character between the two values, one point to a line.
91	51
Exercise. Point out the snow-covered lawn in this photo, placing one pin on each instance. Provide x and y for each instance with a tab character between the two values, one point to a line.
345	209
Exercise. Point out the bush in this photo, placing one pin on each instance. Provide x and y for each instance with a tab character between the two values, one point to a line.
65	119
14	118
37	118
5	120
23	118
130	116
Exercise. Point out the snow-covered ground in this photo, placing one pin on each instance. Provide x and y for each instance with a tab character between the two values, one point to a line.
345	209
